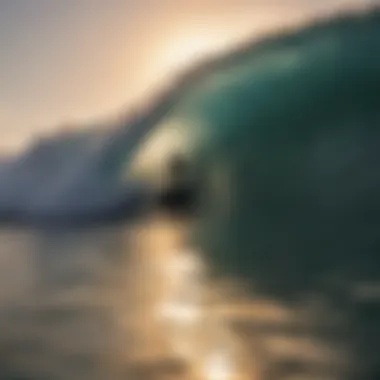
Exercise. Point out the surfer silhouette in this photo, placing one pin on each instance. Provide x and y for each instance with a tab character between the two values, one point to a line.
179	193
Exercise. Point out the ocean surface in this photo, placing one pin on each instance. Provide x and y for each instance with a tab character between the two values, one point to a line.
137	302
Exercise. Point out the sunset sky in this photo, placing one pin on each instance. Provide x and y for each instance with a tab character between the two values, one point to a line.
69	60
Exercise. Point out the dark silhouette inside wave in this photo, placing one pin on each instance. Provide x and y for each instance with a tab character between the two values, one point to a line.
180	193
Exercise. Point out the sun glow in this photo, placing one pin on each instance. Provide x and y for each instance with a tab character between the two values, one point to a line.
186	50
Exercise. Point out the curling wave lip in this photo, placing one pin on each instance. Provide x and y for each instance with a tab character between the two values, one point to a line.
68	182
124	205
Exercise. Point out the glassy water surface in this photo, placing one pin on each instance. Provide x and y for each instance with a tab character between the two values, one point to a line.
136	302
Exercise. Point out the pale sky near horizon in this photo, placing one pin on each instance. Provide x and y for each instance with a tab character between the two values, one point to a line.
68	60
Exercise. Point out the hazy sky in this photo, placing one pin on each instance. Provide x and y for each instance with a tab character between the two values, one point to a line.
64	60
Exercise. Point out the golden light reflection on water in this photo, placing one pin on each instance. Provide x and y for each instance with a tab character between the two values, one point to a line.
138	303
184	311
